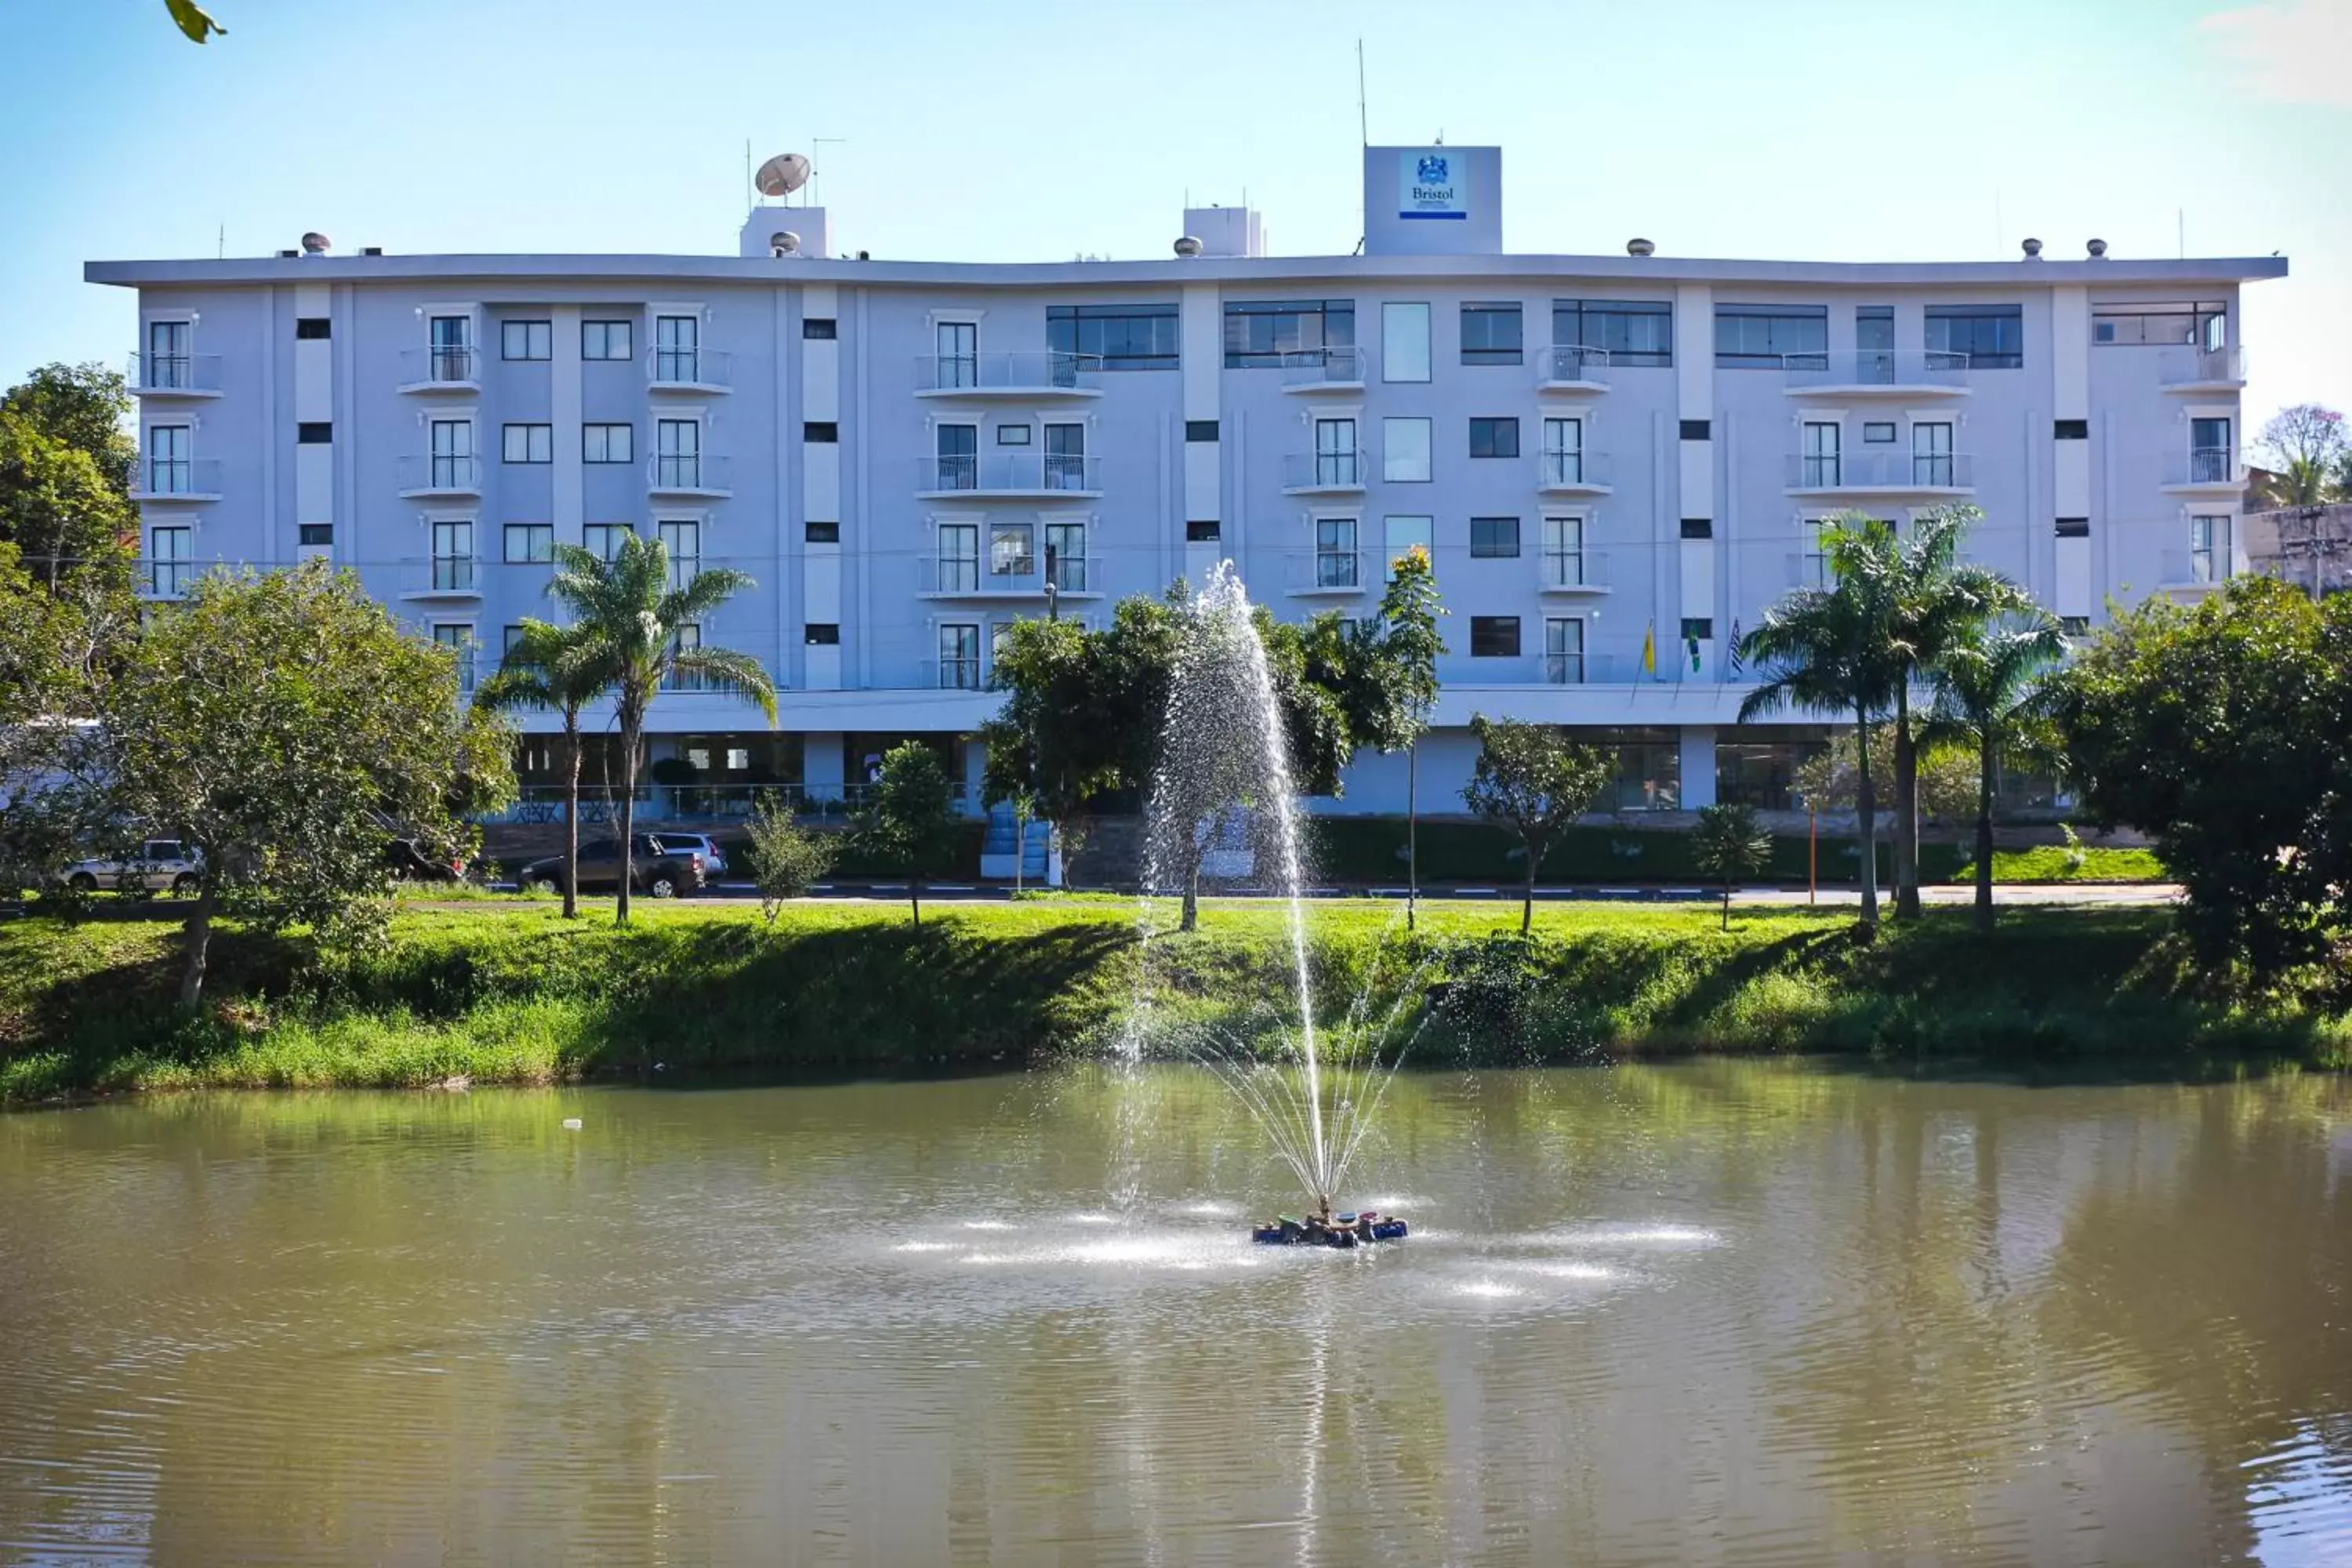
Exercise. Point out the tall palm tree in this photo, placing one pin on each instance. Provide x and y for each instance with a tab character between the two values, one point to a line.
553	666
633	616
1818	652
1990	695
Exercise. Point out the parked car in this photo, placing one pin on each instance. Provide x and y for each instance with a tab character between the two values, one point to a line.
658	870
714	860
160	865
409	860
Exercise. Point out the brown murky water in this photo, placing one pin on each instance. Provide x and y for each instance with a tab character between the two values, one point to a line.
1733	1313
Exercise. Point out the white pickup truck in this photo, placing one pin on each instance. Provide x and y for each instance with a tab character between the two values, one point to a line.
160	865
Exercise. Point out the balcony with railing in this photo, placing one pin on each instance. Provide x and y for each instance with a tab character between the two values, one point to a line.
443	579
2205	470
2186	368
185	479
1024	374
169	578
954	674
689	370
1571	368
167	375
1333	572
1311	371
441	473
1009	476
1572	471
1572	572
600	803
448	368
1588	670
1037	575
1324	473
1876	373
689	475
1883	474
2196	569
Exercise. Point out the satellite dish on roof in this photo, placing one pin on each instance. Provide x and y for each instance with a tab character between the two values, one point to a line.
782	174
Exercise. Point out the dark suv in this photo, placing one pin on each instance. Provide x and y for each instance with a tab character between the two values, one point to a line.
659	872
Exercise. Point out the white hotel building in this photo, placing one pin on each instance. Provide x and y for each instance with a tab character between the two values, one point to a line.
1600	451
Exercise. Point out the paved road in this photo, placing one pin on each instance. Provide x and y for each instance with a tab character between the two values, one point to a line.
2088	893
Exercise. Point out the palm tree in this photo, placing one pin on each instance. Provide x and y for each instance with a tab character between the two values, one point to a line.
553	666
633	618
1990	695
1818	652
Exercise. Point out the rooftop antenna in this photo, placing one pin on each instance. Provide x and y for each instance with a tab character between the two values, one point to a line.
1363	116
782	174
220	244
822	143
750	187
2180	230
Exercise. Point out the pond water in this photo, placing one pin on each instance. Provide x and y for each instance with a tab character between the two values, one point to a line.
1729	1313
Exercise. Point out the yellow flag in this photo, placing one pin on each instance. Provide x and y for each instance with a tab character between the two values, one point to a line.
1650	648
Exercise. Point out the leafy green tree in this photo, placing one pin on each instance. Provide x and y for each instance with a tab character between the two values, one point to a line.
1728	845
55	649
2225	734
562	668
1830	780
785	858
89	407
276	722
632	620
61	511
909	819
1533	780
1991	699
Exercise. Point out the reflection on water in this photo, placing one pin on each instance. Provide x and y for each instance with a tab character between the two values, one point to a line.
1736	1313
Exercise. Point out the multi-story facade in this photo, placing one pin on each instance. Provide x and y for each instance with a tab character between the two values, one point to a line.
1617	462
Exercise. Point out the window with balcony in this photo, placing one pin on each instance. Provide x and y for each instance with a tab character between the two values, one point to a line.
1564	650
2200	323
2212	458
602	540
959	557
458	637
685	638
171	470
1065	556
2209	549
683	539
960	655
1993	337
171	566
957	344
1115	337
1931	454
1336	563
1821	455
1494	538
1874	342
1494	437
609	443
451	339
527	443
958	458
527	339
608	340
1066	457
1404	340
453	556
678	348
453	454
1404	451
1813	561
1639	333
1563	452
678	452
1335	452
530	542
168	364
1491	333
1563	553
1494	636
1771	337
1012	550
1271	333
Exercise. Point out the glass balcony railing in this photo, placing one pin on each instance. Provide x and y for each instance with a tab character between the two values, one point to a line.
1877	367
1033	370
1009	473
441	364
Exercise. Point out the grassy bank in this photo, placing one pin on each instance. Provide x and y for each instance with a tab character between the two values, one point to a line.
513	992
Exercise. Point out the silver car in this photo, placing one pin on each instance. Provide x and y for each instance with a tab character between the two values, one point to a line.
160	865
702	844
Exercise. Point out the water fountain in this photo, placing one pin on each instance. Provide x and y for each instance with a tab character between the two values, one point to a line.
1222	750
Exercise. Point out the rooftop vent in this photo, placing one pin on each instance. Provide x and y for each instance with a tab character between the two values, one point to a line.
1640	247
287	253
1188	245
2099	248
2032	250
315	244
784	242
371	250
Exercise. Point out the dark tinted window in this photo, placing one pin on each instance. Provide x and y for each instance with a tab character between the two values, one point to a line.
1698	528
823	633
819	327
313	327
1201	532
1263	331
824	534
1992	336
1490	334
1633	332
2073	430
1494	437
1493	537
316	534
1200	429
821	431
1769	337
1494	636
1121	337
314	432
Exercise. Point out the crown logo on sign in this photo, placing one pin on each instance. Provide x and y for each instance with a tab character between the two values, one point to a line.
1431	168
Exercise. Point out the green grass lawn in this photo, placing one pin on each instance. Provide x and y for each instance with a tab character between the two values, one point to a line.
506	990
2049	863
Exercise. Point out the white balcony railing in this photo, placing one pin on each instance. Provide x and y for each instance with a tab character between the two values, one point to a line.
1309	471
453	573
1884	472
1009	473
1570	570
168	578
2195	568
2185	367
1023	576
1573	468
457	368
166	375
1571	365
698	369
688	474
439	475
176	478
1596	669
1333	569
1032	370
2208	466
1304	369
953	674
1877	367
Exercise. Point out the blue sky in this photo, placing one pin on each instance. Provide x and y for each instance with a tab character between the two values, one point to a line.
1040	129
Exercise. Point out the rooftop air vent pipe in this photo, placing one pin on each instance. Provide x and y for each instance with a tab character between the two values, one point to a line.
1188	245
315	244
784	242
2032	250
1640	247
2099	248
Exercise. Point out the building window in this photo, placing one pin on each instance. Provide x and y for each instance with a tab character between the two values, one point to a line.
1202	530
956	346
315	535
1065	556
1404	451
2200	323
1563	453
1494	437
1879	430
607	339
458	637
1564	650
685	639
1697	429
2209	549
1639	333
1990	337
821	432
1494	636
602	540
1813	564
818	329
956	465
683	541
1012	435
1698	629
1336	564
453	556
960	656
1012	550
1490	334
530	443
1404	534
1263	332
609	443
678	453
1494	538
1873	329
527	339
821	532
1335	452
678	348
1698	528
530	542
959	557
1820	456
1066	457
2070	430
314	432
453	347
170	563
313	327
1199	430
2074	528
167	362
2075	625
170	468
2211	459
453	455
1115	337
1404	340
1563	553
821	634
1931	454
1763	774
1771	337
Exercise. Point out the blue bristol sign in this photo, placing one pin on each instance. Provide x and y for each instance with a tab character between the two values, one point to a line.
1431	184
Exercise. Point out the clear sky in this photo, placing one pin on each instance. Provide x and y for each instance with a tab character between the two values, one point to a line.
1845	130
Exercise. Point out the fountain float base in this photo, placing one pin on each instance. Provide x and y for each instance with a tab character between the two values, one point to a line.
1335	1230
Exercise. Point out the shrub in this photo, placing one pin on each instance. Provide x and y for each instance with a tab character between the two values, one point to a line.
785	858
